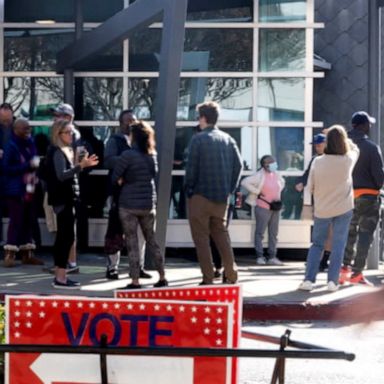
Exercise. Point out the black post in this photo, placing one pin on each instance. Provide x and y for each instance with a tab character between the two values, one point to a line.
172	44
103	360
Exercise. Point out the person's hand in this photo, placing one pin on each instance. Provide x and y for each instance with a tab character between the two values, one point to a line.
35	162
89	161
120	181
299	187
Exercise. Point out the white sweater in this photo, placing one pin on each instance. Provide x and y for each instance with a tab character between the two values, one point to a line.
330	182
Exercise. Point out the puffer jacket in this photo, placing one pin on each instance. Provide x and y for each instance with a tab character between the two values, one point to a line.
254	184
138	172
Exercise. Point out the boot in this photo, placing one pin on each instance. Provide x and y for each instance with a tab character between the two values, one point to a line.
27	256
10	255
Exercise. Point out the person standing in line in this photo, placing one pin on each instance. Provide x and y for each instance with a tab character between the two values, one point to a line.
333	203
63	193
6	122
368	178
114	237
136	171
319	142
212	174
265	188
20	162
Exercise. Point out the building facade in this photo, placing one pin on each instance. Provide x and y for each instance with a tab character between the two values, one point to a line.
255	57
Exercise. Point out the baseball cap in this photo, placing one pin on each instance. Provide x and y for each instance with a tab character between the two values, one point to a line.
319	138
64	109
362	117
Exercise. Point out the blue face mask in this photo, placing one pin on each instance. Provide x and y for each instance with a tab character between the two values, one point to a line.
273	167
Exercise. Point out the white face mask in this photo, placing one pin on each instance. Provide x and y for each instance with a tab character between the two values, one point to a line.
273	167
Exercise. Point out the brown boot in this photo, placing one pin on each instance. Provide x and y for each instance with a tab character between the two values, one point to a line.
27	256
10	255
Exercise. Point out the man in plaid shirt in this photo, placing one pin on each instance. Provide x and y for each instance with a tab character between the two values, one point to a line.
212	175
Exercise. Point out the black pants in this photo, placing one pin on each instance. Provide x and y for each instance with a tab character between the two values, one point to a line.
65	236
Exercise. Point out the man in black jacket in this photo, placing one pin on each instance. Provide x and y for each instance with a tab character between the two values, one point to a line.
368	178
114	241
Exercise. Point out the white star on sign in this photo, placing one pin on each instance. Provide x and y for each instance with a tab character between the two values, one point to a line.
193	319
181	308
42	304
207	331
117	306
17	334
218	342
16	324
91	305
130	306
219	331
29	303
66	304
29	314
17	313
194	309
157	307
207	309
142	307
188	293
105	305
207	320
219	321
55	304
219	310
17	303
167	294
80	305
42	315
28	324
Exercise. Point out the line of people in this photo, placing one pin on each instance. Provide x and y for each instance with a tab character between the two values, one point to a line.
213	169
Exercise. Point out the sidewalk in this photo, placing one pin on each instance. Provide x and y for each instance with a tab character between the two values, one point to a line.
270	292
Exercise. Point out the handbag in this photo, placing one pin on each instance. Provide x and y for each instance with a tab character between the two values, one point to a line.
273	205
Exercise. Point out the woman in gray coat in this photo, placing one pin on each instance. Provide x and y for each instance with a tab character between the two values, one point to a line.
135	171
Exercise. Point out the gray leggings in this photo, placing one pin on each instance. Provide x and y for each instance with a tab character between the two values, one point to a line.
130	220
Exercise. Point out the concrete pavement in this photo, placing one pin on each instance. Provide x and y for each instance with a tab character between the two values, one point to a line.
270	292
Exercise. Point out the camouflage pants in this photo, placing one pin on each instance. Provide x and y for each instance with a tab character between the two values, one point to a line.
130	220
361	230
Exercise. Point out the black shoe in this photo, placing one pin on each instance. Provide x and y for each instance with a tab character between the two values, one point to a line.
133	286
69	284
217	274
204	283
112	274
161	283
144	275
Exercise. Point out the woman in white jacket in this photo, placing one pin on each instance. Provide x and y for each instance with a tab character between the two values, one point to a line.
265	188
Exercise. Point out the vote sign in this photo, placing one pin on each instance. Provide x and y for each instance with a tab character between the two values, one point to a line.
218	294
81	321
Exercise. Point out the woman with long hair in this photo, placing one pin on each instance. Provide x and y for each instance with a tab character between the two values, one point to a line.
135	171
330	182
63	168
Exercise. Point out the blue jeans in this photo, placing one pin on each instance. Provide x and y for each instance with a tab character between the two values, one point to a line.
319	235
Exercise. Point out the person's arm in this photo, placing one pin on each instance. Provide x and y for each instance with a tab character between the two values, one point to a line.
311	181
62	172
377	171
122	164
192	169
111	153
251	184
11	165
237	167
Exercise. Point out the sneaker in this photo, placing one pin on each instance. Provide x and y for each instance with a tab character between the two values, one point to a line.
260	261
274	261
358	278
144	274
132	286
112	274
306	285
345	274
69	284
332	287
217	274
72	268
161	283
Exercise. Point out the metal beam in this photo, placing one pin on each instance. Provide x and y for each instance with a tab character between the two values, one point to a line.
166	105
140	14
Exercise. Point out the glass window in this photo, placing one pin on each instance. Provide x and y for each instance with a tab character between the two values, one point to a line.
242	136
281	99
233	94
282	50
285	144
36	50
28	11
292	200
32	97
98	98
203	50
277	11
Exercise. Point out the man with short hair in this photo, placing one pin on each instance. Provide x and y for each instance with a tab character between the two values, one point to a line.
368	178
212	175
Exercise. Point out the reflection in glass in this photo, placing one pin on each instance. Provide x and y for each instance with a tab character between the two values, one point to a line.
277	11
242	136
203	50
285	144
32	97
233	95
99	98
215	10
280	99
282	50
292	200
29	11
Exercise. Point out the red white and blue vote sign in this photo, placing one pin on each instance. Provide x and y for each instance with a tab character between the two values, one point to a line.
218	294
79	321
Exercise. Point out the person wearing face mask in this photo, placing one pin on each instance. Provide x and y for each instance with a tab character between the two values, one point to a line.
265	188
114	240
